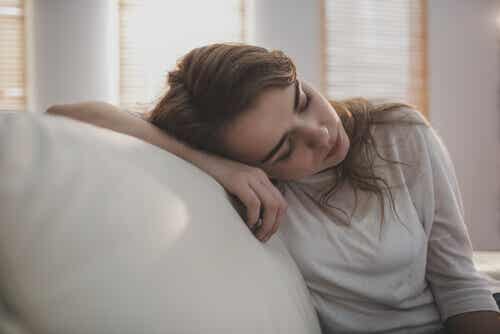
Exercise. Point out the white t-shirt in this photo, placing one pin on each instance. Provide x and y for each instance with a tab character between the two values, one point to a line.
405	275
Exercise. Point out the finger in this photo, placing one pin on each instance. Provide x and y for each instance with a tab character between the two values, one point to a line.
279	221
277	194
281	208
273	229
270	207
256	226
252	205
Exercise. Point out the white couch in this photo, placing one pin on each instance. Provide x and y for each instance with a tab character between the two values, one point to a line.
103	233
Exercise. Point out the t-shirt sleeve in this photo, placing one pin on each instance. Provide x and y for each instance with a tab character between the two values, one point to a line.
456	285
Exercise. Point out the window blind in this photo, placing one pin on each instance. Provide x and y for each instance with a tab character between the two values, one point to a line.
376	49
12	55
154	34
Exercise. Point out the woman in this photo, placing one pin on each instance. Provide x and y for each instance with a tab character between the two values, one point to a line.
373	215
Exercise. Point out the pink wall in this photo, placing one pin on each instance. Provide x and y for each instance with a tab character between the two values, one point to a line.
464	73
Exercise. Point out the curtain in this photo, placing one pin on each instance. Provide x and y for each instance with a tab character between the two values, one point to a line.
154	34
12	55
376	49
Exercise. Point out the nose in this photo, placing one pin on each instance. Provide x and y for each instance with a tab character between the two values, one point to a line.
316	136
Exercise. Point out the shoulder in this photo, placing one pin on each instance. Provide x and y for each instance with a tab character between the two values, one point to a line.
396	125
410	124
399	116
405	134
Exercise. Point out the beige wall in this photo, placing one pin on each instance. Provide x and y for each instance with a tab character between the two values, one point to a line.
71	47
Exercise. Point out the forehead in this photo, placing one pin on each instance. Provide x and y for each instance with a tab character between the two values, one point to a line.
257	130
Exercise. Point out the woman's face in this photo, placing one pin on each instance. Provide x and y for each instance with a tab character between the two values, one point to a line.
290	133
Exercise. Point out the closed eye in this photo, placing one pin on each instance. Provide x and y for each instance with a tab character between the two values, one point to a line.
306	103
288	152
302	109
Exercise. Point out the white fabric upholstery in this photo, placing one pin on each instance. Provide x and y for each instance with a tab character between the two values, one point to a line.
103	233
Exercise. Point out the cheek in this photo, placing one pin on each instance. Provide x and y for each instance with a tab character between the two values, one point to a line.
326	111
300	165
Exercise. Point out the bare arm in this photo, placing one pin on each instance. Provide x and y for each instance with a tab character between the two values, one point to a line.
484	322
237	178
109	116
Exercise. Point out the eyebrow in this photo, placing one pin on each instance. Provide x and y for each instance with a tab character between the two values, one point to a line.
285	136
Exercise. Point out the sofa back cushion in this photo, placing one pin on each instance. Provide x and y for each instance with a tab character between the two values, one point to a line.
103	233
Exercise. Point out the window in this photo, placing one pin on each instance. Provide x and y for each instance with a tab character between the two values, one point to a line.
376	49
12	55
154	34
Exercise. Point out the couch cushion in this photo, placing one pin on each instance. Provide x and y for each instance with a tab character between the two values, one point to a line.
103	233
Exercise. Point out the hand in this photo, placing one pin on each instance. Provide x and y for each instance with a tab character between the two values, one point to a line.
252	187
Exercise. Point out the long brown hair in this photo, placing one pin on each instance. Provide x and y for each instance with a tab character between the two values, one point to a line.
212	85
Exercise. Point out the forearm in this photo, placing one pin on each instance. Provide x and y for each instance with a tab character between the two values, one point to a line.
110	117
484	322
